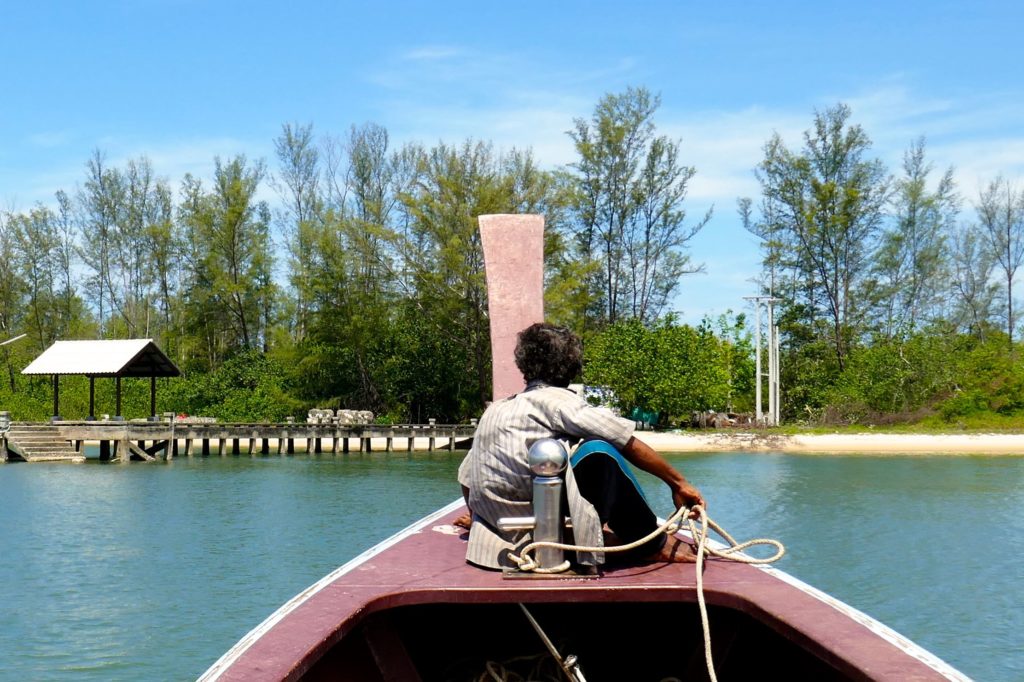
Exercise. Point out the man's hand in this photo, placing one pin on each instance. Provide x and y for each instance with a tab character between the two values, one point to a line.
685	495
464	521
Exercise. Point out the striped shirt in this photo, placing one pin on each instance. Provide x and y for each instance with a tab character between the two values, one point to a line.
498	476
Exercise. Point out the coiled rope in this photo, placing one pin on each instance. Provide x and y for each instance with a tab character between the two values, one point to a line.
698	523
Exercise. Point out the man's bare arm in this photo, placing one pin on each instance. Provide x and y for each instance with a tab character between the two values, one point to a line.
642	456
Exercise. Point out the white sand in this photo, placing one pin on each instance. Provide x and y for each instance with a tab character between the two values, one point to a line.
722	441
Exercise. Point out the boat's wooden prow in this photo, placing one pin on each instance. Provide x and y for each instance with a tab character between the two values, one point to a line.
411	608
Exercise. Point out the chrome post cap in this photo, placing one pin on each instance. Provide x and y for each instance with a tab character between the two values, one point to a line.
547	457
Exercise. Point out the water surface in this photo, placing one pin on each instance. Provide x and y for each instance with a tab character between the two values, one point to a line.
151	571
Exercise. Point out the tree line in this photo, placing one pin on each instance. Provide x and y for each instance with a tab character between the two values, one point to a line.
347	272
896	290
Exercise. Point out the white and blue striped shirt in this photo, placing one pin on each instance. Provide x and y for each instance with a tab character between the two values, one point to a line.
498	476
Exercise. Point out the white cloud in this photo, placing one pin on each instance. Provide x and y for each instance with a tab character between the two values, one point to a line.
50	139
431	53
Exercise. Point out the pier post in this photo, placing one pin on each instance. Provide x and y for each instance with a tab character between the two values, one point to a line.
104	450
206	447
265	447
234	446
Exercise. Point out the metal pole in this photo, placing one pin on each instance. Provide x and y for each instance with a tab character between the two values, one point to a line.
772	420
757	371
778	392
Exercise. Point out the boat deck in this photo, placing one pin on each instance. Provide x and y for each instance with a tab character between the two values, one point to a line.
424	566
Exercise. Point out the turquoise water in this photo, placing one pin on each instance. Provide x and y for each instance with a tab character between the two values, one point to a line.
151	571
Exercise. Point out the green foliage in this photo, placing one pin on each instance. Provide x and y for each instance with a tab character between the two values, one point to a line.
248	387
669	368
889	309
929	373
631	231
821	212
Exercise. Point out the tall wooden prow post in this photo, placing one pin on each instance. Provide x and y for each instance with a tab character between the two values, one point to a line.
513	248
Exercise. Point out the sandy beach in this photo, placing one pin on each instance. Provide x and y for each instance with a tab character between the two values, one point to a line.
825	443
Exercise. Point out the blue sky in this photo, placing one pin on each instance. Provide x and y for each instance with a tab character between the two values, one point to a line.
182	81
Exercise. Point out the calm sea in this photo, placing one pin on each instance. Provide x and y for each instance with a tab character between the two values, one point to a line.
151	571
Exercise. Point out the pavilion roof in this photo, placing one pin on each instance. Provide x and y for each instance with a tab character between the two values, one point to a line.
107	358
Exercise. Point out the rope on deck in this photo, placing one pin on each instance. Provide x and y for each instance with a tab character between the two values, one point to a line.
691	517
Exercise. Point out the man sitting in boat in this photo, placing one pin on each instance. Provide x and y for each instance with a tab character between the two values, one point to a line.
601	490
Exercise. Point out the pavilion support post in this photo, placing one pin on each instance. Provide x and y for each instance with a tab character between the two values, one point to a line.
117	402
152	399
56	397
92	400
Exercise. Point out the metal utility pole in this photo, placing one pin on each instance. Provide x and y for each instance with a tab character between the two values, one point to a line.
772	418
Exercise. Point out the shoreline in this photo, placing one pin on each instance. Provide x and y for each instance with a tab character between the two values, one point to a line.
823	444
837	443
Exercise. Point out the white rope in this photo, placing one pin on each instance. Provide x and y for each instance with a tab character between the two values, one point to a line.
734	552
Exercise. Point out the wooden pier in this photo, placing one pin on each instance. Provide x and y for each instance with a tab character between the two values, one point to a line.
151	440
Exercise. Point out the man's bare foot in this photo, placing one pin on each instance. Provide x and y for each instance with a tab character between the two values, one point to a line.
676	551
464	521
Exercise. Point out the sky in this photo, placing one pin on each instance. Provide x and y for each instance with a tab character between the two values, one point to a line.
184	81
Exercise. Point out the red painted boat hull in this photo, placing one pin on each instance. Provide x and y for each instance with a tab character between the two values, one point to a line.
412	609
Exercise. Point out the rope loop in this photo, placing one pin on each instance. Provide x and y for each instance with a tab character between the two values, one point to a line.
696	520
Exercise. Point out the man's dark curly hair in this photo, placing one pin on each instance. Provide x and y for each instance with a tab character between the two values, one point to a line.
549	353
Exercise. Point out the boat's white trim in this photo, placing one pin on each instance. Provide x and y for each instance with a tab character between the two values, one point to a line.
228	659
